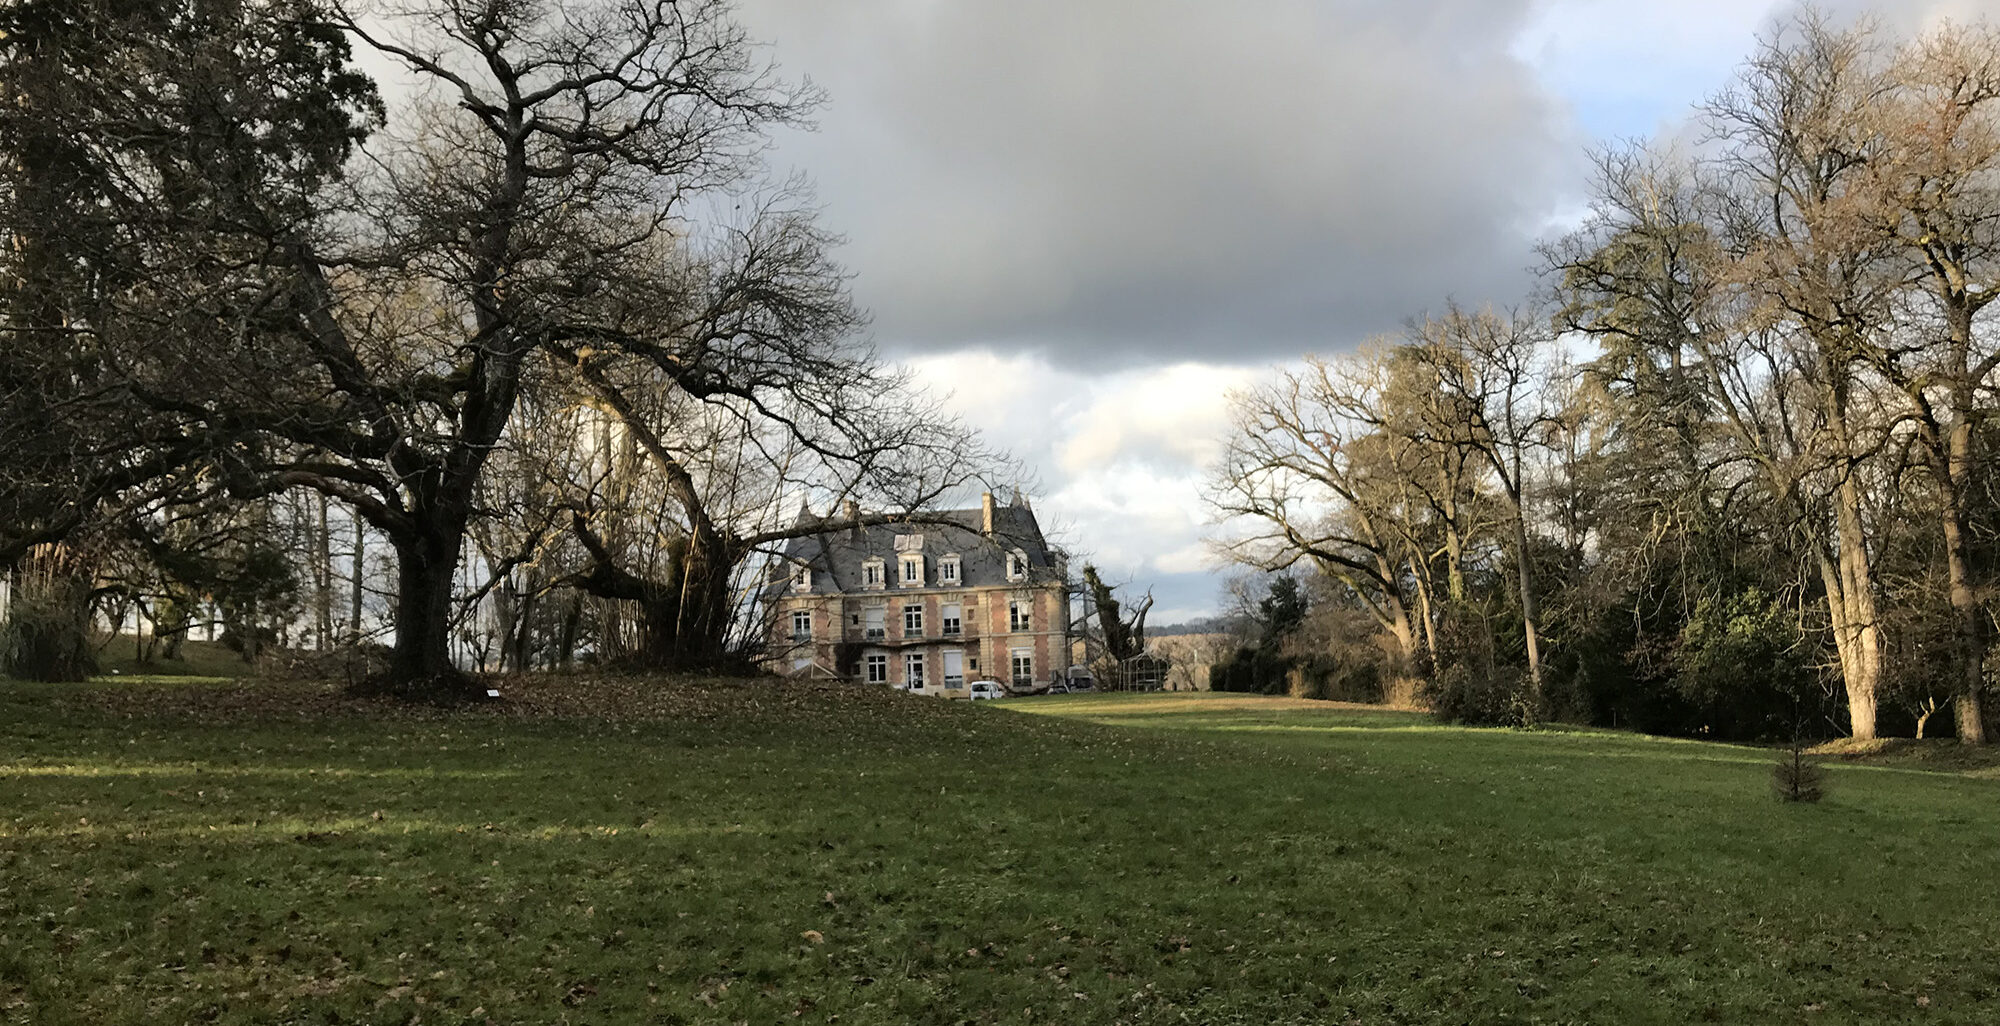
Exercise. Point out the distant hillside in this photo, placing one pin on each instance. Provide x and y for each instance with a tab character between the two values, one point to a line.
1198	625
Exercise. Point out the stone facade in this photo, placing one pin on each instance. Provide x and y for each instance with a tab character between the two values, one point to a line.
958	596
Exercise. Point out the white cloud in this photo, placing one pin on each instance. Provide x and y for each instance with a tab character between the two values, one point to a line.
1118	459
1171	416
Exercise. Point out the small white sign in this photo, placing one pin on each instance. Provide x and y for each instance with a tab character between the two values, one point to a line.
490	693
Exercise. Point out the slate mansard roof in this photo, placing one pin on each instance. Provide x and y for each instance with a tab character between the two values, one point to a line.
836	556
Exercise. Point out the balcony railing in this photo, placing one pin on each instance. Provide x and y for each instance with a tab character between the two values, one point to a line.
802	635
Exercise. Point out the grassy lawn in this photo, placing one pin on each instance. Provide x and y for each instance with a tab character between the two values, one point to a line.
627	851
119	657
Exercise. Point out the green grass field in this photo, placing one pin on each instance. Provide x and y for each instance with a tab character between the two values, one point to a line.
632	851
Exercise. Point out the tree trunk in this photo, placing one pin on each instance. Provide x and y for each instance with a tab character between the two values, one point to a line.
1955	488
1427	615
322	576
358	570
1968	634
1406	644
519	648
1858	581
173	619
1531	611
420	664
1857	675
694	613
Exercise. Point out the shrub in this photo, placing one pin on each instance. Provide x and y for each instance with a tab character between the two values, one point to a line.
47	632
1471	683
1741	664
1464	692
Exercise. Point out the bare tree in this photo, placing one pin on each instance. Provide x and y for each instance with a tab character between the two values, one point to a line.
1323	465
1121	628
1800	134
1934	184
1483	369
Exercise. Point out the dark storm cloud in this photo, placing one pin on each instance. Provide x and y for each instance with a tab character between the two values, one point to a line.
1171	180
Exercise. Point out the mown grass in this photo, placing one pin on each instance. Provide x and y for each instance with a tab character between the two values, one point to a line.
687	851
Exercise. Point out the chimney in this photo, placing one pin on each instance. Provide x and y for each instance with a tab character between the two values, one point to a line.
986	512
851	510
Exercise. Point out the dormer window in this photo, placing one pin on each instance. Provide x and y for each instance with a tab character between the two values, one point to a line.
912	571
871	574
1017	565
802	578
948	568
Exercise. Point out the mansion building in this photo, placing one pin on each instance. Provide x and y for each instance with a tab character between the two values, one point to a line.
964	595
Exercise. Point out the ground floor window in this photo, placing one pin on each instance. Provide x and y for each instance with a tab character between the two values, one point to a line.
878	669
1024	668
913	669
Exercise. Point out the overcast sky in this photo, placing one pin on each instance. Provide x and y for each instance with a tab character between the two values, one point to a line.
1088	219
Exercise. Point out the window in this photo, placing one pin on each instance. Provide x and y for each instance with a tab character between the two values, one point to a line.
948	569
1019	614
954	668
802	578
1017	565
874	630
1024	668
950	617
913	571
871	574
878	669
802	625
913	669
913	621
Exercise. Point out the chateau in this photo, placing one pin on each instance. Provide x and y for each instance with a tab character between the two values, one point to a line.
966	595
